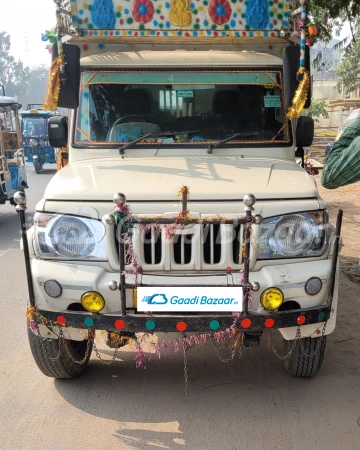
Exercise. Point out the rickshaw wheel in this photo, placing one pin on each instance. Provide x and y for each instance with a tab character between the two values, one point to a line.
37	167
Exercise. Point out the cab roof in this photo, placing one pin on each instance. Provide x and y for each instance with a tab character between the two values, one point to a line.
9	101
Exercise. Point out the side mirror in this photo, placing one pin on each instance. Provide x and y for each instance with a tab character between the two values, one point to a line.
69	91
304	131
58	131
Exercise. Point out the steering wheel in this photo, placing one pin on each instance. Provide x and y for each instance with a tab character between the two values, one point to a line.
130	118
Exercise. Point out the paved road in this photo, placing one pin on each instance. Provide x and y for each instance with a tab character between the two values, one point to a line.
247	404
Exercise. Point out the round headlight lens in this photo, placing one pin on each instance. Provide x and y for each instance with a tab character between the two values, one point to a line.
293	235
71	237
271	299
92	301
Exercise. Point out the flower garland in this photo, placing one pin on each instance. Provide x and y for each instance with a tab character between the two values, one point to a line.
49	36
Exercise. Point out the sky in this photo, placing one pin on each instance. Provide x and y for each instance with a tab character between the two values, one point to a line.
25	20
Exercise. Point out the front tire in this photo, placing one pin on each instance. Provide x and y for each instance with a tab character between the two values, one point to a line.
301	365
37	167
63	367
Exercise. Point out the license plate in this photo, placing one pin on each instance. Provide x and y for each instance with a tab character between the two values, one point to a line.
189	299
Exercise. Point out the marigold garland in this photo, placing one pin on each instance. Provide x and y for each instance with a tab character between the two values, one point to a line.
300	95
53	85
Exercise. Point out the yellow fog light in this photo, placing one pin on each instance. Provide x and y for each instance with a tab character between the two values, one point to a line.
272	298
92	301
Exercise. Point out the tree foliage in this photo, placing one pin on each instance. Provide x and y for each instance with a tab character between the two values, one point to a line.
24	83
337	8
316	110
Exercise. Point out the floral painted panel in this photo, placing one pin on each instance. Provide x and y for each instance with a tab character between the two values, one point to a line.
183	18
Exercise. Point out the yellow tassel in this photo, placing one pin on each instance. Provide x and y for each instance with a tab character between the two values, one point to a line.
300	96
53	85
184	190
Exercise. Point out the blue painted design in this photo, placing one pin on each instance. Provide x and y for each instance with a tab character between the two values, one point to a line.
95	33
223	33
195	33
235	15
86	95
142	33
168	24
156	23
103	14
220	10
81	12
192	5
152	32
74	18
87	122
126	11
165	33
101	45
129	33
251	34
142	10
179	33
266	34
106	33
167	5
232	23
208	32
271	26
285	23
117	33
237	33
257	15
206	23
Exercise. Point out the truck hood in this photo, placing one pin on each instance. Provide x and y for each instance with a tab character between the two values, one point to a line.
209	178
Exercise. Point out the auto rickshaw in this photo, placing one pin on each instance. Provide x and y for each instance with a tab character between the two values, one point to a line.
36	145
12	162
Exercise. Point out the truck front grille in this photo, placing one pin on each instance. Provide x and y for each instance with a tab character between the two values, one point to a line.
198	247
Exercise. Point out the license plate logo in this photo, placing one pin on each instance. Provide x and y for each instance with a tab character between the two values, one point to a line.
190	299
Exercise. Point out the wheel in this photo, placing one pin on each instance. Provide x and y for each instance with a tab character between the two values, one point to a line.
44	349
300	365
37	167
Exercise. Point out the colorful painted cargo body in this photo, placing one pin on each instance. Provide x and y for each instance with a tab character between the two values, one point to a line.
179	110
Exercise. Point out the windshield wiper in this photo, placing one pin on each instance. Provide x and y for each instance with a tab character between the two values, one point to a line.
220	143
148	135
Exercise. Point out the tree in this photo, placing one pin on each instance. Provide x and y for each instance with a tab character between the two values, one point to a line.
316	110
36	85
13	75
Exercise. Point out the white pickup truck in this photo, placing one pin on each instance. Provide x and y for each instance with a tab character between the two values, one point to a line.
178	116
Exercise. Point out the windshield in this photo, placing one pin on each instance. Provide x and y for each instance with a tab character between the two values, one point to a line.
118	107
34	126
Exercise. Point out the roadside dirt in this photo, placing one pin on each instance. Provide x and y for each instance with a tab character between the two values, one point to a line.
348	199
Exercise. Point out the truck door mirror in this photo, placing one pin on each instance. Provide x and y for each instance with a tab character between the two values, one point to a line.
304	131
69	90
58	131
291	64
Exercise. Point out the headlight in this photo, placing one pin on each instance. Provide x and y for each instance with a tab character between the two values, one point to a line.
294	235
69	237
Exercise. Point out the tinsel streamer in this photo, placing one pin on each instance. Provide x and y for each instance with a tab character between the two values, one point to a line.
53	85
301	94
183	190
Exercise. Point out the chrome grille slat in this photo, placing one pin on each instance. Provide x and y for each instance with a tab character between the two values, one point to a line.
200	247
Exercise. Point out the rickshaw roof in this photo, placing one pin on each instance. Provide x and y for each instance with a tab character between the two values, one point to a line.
37	113
9	101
